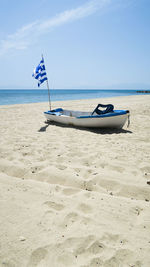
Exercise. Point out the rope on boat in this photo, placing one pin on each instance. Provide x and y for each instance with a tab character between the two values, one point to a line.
128	121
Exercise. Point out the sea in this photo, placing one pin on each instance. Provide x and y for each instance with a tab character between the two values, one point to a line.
12	96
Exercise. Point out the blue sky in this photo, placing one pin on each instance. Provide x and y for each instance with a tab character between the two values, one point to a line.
99	44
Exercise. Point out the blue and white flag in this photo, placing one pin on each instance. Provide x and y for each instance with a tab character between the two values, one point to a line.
39	73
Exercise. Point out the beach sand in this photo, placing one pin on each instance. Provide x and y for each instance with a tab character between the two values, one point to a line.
74	197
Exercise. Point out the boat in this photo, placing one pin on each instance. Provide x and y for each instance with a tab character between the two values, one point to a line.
106	118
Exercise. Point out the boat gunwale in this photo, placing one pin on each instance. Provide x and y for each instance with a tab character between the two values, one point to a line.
111	114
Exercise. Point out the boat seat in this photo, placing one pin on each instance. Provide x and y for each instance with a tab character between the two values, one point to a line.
109	108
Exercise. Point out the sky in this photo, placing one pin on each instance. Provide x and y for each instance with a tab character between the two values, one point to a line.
86	44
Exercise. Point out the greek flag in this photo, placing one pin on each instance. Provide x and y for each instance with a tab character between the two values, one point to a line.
39	73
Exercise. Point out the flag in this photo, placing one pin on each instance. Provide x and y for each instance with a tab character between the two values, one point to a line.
39	73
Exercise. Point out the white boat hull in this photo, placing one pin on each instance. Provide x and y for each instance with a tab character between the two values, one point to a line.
115	119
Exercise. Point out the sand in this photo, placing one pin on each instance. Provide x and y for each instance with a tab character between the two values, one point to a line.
74	197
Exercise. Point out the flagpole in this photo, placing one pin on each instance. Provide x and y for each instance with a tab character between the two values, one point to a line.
49	98
49	95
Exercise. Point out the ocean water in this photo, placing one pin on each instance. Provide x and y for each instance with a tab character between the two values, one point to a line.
10	97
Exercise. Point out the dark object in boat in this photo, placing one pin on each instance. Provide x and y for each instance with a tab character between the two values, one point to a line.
109	108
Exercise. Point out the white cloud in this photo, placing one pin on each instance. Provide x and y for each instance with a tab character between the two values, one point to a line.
23	37
73	14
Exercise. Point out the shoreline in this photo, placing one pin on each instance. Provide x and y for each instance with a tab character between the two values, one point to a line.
103	99
39	96
74	197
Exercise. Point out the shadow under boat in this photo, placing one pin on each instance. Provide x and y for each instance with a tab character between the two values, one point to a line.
93	130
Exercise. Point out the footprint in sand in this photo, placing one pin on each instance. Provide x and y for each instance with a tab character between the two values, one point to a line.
117	168
61	167
71	218
54	205
121	257
86	220
89	185
84	208
110	240
145	168
70	191
37	257
89	245
95	262
96	247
